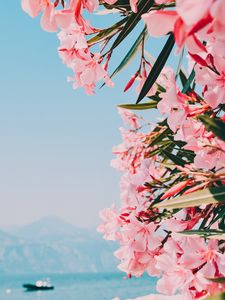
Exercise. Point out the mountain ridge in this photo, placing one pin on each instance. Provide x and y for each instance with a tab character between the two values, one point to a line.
53	245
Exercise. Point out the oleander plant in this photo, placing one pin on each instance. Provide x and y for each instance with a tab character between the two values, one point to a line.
171	220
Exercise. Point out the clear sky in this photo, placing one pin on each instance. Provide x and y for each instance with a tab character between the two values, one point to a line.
55	141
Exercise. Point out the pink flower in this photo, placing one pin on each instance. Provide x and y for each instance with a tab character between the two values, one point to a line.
131	152
88	71
111	223
149	239
133	5
139	246
91	5
64	18
217	11
48	22
163	297
144	236
71	39
214	83
111	2
177	279
166	19
189	18
192	11
173	102
169	98
32	7
129	118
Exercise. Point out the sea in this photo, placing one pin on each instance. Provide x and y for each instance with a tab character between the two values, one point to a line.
99	286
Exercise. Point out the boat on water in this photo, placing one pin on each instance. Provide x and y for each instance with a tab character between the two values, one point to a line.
39	285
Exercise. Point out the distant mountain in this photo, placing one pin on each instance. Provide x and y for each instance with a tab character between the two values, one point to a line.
51	245
51	228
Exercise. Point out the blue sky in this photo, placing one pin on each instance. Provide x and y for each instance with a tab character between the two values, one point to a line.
55	141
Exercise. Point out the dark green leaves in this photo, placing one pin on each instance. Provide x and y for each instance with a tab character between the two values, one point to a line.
174	158
130	54
183	78
217	279
134	18
188	82
216	297
142	106
157	68
159	138
106	32
203	197
215	125
207	234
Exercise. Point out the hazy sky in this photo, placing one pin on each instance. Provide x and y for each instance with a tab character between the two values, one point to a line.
55	141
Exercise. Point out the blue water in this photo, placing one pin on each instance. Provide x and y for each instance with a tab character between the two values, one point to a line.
77	287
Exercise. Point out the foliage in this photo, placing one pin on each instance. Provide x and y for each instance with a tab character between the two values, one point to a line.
171	222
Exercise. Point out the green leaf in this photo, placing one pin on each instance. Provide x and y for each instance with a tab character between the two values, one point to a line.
132	21
157	67
189	82
208	234
219	214
217	280
174	158
142	106
154	152
188	154
155	97
130	54
105	32
183	78
203	197
216	297
215	125
160	136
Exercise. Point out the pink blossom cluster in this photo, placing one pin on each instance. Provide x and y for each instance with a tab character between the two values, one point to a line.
200	26
192	23
88	67
182	111
150	238
74	49
149	243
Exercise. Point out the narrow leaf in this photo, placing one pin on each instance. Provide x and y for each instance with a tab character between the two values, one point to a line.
208	234
215	125
130	54
134	18
203	197
217	280
183	78
160	136
174	158
142	106
216	297
105	32
154	152
155	97
189	82
157	67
